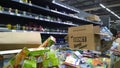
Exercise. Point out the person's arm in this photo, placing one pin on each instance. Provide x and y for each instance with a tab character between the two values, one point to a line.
113	48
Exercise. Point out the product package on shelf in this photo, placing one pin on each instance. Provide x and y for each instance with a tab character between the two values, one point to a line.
109	35
83	59
50	60
93	18
70	60
1	8
58	58
51	40
45	58
29	59
38	52
29	63
15	61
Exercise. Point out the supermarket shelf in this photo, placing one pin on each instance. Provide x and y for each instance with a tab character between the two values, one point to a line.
14	51
61	44
2	29
56	4
57	14
78	19
7	30
56	33
39	19
9	52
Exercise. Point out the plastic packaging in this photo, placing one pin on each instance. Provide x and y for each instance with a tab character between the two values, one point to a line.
15	61
29	63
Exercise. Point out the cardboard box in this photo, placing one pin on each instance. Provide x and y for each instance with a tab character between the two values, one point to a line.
18	40
84	37
93	18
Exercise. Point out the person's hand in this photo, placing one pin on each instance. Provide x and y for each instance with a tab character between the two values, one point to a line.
116	51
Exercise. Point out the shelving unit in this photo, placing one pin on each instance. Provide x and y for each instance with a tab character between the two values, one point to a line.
35	18
50	12
56	33
53	16
60	14
34	33
33	10
56	4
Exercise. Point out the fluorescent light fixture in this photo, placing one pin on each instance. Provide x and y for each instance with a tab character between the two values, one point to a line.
119	17
102	6
116	15
112	13
109	10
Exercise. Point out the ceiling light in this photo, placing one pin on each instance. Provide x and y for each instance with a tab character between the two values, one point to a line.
102	6
119	17
112	13
109	10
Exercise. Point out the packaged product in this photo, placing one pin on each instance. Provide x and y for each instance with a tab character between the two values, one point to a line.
15	61
29	63
50	41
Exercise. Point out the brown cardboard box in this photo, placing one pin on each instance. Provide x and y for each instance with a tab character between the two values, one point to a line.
18	40
93	18
83	37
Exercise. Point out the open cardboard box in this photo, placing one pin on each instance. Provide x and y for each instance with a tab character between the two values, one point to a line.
85	37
